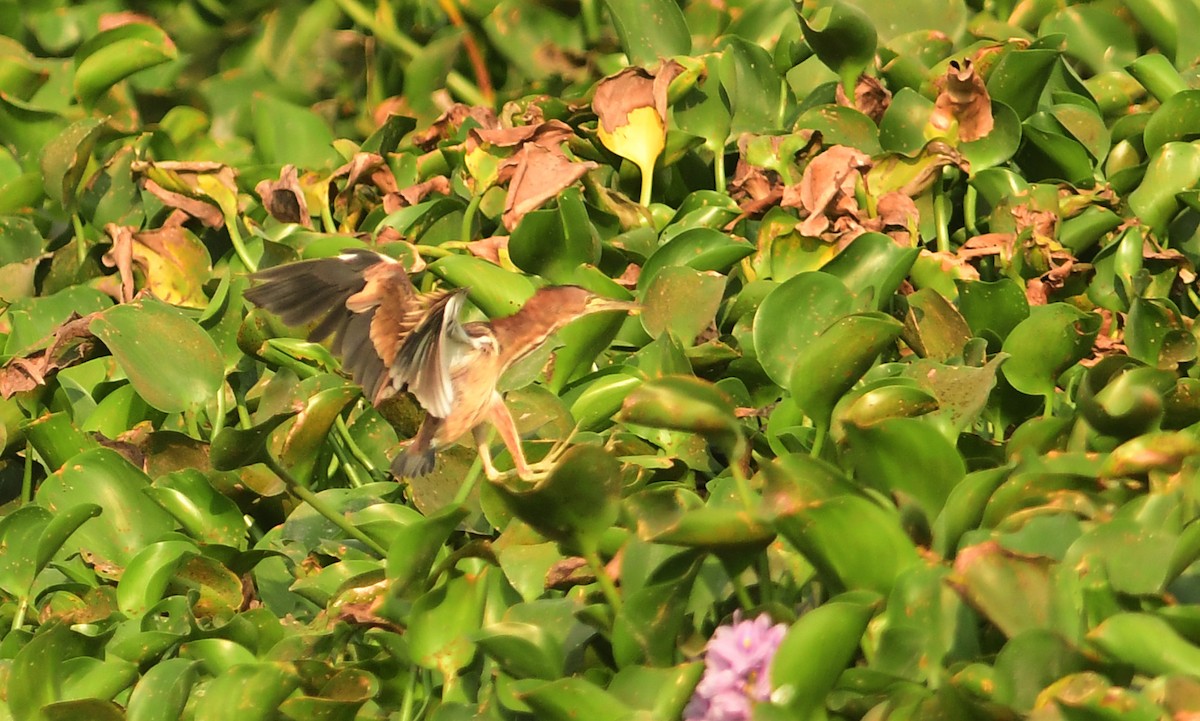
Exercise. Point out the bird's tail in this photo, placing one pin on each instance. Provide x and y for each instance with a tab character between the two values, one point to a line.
413	463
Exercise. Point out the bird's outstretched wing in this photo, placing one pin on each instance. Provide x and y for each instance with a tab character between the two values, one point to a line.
388	335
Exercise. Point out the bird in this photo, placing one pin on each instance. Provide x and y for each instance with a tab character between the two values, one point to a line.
393	338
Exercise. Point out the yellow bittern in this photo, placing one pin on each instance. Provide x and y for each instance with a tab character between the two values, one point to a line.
393	338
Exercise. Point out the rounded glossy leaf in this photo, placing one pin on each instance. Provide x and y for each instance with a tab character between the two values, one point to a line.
145	578
681	301
884	456
650	29
873	266
1147	643
843	37
815	651
829	366
246	692
1053	338
1177	119
171	362
780	333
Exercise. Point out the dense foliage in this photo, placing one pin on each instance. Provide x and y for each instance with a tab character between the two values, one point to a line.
915	375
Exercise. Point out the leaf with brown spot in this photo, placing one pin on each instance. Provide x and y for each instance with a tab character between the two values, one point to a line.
963	100
173	263
284	198
450	121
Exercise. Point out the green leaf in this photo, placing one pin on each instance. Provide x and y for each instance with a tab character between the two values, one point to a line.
1053	338
815	651
780	334
178	375
247	692
829	366
115	54
130	520
843	37
681	301
160	695
287	133
65	159
650	30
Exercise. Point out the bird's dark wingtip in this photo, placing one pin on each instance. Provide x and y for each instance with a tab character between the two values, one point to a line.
411	464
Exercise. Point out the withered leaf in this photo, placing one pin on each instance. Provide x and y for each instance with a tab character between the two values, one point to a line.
284	198
450	121
870	97
538	173
72	343
826	189
632	88
172	262
963	97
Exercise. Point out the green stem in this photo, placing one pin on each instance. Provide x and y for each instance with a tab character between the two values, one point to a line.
218	421
466	232
941	215
607	586
719	170
391	36
80	241
970	219
27	476
19	617
647	186
591	21
327	217
468	483
319	505
193	425
355	450
410	688
1049	408
739	590
239	246
818	440
347	463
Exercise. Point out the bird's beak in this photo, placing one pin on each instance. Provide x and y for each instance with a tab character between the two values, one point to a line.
600	304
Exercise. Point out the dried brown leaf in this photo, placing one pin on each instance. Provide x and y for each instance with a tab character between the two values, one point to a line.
825	192
632	88
537	173
284	198
72	343
201	210
450	121
963	97
870	97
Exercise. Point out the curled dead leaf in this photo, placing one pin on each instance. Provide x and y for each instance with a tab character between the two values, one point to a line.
963	99
870	97
284	198
450	121
826	191
71	344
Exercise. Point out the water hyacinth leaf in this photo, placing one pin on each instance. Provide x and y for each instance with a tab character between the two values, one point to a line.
902	128
203	512
843	37
826	534
36	674
1173	168
664	692
445	621
1053	338
415	546
56	439
752	86
1015	592
1147	643
522	650
933	327
130	519
176	376
962	391
664	518
779	335
650	30
115	54
494	290
514	27
1175	120
681	301
875	403
874	266
704	110
830	365
576	503
1016	72
146	577
840	125
339	696
302	443
286	133
570	699
884	455
64	159
684	403
998	146
554	243
234	448
703	249
1137	559
815	651
246	692
647	628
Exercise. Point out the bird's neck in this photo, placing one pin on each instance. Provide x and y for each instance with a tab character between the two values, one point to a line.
525	331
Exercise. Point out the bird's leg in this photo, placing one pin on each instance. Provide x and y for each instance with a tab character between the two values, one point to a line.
555	453
481	433
500	417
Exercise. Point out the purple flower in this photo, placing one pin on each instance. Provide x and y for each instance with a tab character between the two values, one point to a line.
737	662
